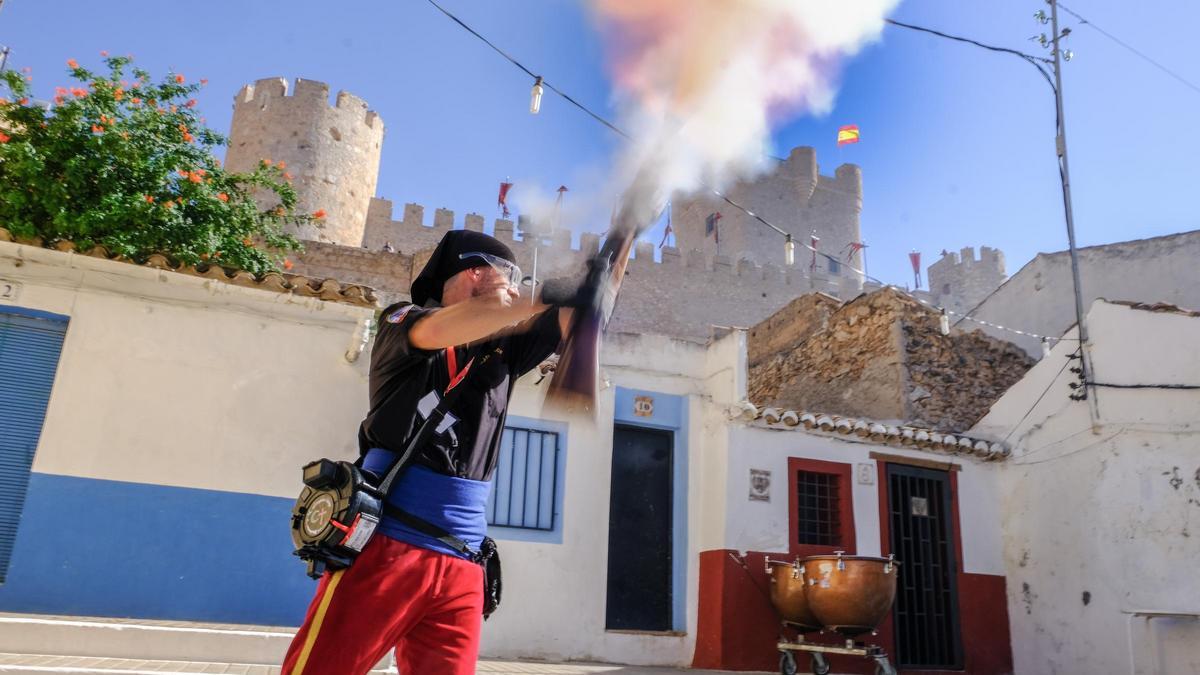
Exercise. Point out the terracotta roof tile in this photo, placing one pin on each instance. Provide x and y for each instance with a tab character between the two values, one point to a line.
330	290
917	438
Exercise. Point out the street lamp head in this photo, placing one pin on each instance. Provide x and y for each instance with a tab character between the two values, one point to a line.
1068	55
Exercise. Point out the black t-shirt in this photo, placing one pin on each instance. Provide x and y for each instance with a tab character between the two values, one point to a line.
402	376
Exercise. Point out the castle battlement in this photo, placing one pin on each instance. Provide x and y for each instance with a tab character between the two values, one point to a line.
958	281
332	151
307	93
414	235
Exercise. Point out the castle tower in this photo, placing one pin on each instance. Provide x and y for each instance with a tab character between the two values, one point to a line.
958	281
332	151
796	198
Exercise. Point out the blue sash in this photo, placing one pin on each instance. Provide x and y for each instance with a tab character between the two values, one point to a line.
457	505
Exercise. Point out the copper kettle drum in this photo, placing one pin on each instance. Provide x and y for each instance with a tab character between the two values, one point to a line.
788	594
847	593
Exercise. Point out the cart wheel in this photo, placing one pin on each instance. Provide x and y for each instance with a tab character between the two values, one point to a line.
787	663
820	666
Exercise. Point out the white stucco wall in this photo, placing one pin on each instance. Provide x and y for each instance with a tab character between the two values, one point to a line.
763	526
1101	522
170	379
555	593
1039	298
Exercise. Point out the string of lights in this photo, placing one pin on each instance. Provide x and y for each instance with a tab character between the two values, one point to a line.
790	242
1130	47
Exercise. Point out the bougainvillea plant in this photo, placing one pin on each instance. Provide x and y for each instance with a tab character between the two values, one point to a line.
128	164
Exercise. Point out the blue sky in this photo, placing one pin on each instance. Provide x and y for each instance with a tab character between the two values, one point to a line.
957	142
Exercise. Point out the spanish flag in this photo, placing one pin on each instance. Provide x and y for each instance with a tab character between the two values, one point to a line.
847	134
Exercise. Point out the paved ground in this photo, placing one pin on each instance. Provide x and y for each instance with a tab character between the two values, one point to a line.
24	664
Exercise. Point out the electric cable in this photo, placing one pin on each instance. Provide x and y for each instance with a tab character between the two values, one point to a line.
1131	48
1033	60
615	129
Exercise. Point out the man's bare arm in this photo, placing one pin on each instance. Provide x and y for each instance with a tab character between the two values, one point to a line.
468	321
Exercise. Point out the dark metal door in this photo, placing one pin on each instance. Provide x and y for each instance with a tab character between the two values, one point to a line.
639	531
922	539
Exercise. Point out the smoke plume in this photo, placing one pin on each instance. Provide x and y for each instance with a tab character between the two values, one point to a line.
700	81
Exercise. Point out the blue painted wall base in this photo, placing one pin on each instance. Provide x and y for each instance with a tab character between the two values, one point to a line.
92	547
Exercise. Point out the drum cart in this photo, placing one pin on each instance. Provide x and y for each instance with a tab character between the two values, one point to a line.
852	593
820	666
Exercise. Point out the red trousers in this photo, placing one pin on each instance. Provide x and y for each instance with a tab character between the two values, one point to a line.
426	605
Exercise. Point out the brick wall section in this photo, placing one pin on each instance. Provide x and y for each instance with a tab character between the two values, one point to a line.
883	356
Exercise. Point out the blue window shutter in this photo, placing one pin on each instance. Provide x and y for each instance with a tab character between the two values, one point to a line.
29	349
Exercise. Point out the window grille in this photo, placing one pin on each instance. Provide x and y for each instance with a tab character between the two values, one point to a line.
818	511
525	482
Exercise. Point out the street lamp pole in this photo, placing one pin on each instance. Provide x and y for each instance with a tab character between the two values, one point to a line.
1060	143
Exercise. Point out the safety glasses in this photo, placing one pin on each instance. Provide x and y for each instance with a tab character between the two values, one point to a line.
505	268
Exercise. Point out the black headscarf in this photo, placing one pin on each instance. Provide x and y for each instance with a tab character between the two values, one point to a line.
445	261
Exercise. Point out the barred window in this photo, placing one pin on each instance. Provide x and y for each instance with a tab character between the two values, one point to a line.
525	482
817	516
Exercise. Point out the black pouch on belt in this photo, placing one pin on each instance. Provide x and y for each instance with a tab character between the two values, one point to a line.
493	585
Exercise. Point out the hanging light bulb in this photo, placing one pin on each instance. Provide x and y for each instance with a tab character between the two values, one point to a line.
1068	55
789	251
944	323
535	96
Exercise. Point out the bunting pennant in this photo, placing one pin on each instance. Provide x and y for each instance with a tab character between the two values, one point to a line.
502	200
915	259
852	248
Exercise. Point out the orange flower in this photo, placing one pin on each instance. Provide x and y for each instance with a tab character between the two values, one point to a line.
136	85
58	100
72	63
195	178
23	101
265	162
248	241
125	135
97	129
191	103
4	138
103	52
287	264
282	164
203	82
169	204
222	196
200	172
3	101
188	137
182	173
319	213
179	79
183	128
151	102
78	92
287	176
60	91
149	199
135	100
119	94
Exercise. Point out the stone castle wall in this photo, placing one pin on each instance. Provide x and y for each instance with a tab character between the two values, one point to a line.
796	198
684	295
958	281
332	151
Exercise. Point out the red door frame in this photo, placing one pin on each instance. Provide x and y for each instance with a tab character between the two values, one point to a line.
845	507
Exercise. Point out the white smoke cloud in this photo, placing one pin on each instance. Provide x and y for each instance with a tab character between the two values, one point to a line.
700	81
